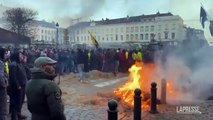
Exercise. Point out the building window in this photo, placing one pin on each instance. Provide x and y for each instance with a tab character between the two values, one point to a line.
136	29
77	38
111	37
146	36
141	29
159	36
127	37
166	35
121	37
42	31
107	37
147	29
42	37
173	27
136	36
173	35
45	37
141	36
152	36
85	38
152	28
132	37
132	29
103	38
127	29
116	37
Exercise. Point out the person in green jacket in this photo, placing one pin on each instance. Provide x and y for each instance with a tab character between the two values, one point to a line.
43	94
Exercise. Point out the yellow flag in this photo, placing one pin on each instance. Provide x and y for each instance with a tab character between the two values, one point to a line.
93	39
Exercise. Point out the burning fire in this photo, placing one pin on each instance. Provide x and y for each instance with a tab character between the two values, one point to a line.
140	77
172	89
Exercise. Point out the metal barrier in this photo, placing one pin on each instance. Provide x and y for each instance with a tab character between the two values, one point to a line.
112	112
137	104
153	107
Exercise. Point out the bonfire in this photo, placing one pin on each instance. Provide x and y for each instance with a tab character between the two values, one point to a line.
140	77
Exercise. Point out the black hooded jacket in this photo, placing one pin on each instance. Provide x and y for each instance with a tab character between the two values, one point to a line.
2	52
3	77
80	57
17	73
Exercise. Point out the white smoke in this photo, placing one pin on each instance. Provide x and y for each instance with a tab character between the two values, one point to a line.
190	74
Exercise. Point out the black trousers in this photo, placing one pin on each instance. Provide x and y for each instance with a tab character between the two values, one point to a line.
17	97
3	104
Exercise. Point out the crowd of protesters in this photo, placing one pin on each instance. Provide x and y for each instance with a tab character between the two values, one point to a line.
84	60
15	67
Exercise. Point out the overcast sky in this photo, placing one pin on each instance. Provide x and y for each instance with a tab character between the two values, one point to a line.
63	11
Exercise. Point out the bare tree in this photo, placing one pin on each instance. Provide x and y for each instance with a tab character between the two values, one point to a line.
19	20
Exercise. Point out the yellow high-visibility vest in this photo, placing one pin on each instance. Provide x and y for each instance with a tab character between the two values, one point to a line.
127	54
89	55
6	65
134	56
139	55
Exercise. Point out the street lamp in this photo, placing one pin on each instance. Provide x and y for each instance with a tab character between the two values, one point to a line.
57	26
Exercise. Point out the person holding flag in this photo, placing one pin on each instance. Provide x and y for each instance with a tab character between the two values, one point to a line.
93	40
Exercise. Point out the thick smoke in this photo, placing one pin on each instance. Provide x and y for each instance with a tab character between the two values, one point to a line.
189	68
131	6
87	9
90	7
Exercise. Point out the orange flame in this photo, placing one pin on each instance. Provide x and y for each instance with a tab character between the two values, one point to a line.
139	77
172	89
